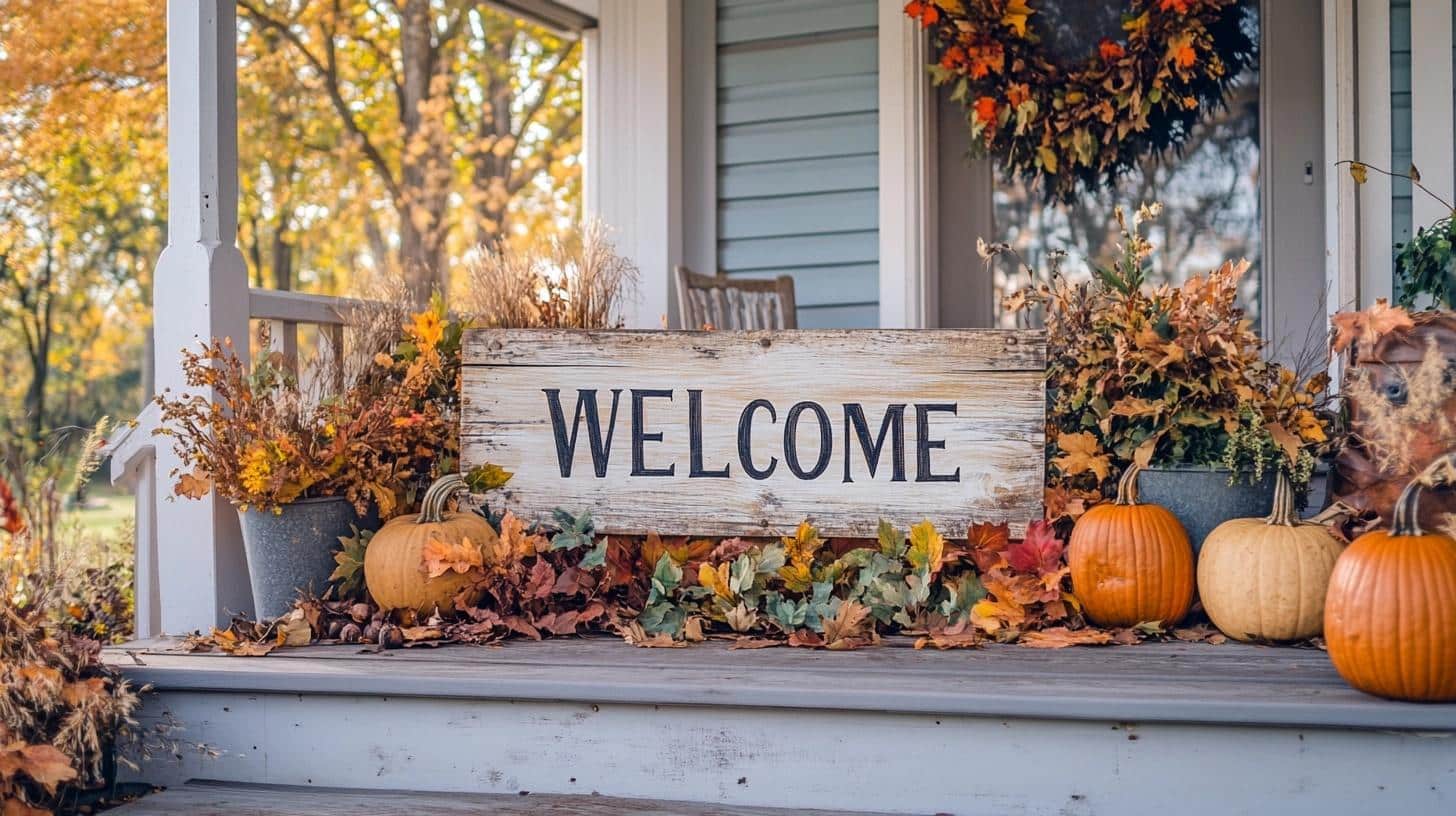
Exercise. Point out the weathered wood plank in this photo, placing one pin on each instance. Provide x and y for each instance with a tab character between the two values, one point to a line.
205	798
747	433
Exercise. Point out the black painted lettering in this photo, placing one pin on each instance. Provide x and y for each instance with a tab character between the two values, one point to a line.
893	425
924	444
745	440
791	440
640	436
695	440
586	403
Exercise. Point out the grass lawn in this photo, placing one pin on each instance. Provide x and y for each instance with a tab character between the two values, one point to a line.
106	509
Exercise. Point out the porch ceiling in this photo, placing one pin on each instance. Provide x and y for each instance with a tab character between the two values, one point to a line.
1230	684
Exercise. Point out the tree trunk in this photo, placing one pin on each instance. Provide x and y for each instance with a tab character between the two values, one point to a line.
424	166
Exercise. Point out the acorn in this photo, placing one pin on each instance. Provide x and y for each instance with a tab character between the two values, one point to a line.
360	612
391	636
351	633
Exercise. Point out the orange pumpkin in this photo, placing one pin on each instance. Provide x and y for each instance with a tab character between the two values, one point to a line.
1131	562
393	564
1390	615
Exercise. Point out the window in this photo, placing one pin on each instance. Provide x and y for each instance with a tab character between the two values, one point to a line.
1211	193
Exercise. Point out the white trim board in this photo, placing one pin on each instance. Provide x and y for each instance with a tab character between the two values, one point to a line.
907	168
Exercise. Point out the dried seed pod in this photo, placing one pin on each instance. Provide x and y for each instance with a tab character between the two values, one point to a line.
371	632
360	612
351	633
335	627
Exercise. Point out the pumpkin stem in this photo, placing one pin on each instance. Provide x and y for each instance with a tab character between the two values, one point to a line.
1127	485
432	508
1283	512
1439	474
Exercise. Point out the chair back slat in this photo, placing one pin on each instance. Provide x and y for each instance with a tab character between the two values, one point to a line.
721	302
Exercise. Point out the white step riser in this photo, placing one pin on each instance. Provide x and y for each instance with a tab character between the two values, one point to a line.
797	758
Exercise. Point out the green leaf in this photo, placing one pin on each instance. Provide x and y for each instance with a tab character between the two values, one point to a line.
348	573
596	556
662	618
575	531
666	576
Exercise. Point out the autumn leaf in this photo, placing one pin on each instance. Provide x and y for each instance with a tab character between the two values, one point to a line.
1359	172
847	628
801	548
487	477
514	539
1081	453
47	765
193	485
1039	553
993	614
927	547
1368	326
1060	637
542	580
716	579
1016	15
439	557
987	544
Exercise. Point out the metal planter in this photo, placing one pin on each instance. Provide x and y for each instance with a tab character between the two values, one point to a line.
293	550
1202	498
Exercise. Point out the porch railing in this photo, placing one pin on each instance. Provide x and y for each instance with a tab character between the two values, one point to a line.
133	451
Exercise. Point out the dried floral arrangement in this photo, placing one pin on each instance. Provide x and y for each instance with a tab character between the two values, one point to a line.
1065	126
263	440
1161	376
799	590
576	281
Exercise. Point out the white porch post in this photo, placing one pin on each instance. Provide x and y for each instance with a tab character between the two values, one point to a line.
200	291
634	144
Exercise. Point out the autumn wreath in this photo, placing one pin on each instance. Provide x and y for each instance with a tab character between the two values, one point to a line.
1079	123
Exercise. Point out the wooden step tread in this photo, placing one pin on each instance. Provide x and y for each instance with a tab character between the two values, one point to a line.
206	798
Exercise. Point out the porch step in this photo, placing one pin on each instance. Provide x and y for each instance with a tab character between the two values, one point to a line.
1139	729
207	798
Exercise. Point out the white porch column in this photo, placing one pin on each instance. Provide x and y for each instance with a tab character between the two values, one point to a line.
200	291
634	146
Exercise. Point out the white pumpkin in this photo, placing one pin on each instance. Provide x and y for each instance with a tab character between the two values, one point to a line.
1265	579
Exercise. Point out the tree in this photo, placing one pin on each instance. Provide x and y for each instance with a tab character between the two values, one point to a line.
81	120
455	110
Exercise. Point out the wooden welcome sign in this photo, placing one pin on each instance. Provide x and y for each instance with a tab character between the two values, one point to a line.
748	433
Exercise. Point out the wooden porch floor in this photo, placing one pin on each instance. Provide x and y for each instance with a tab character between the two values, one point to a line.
1233	684
224	799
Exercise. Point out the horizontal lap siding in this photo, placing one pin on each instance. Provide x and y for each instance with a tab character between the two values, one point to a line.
798	152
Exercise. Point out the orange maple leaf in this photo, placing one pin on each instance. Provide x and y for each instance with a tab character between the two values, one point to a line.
1368	326
986	109
439	557
1110	51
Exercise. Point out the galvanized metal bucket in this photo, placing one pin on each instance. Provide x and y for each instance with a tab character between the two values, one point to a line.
1202	498
293	550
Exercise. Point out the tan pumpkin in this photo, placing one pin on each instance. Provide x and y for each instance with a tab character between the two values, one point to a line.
1131	562
1390	615
1265	579
393	564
